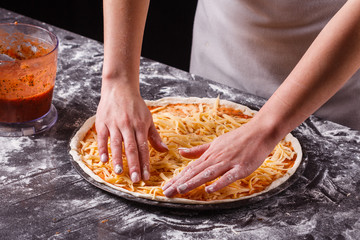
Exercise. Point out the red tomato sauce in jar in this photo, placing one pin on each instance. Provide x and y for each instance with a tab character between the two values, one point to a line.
27	83
25	109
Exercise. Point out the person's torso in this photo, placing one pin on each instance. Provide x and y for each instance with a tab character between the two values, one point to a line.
253	45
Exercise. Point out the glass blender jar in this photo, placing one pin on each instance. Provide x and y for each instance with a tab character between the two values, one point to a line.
28	64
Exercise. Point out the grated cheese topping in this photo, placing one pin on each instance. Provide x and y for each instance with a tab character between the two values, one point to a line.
189	125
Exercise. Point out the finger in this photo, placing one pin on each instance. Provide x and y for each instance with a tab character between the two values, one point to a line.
171	188
132	156
205	176
155	140
143	155
181	174
194	152
116	150
226	179
102	142
189	168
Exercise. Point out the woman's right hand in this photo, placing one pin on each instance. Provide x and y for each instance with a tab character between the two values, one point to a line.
123	116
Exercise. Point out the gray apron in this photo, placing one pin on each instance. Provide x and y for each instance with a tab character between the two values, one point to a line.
253	45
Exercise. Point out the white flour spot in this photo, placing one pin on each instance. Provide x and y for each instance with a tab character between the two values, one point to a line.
221	90
13	145
166	90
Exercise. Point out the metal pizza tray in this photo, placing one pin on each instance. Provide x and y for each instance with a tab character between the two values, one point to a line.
216	206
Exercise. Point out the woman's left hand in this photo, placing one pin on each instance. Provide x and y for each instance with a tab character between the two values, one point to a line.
232	156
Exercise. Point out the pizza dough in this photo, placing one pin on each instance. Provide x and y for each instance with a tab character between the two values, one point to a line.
76	143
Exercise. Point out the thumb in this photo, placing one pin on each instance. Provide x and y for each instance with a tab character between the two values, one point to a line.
194	152
155	139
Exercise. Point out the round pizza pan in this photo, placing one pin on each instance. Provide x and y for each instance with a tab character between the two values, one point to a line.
217	206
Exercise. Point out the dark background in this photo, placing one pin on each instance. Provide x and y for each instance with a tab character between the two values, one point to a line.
168	31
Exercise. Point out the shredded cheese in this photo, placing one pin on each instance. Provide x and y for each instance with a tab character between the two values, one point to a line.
189	125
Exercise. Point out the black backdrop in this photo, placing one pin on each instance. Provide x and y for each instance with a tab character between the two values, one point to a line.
168	31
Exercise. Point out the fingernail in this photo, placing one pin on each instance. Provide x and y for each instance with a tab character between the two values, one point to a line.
146	174
169	192
182	188
166	186
164	145
104	158
135	177
209	189
184	149
118	169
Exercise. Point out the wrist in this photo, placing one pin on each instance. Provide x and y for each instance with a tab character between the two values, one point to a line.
122	74
124	80
125	85
269	126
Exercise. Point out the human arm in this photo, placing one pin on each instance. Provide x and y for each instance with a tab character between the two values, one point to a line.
330	61
122	113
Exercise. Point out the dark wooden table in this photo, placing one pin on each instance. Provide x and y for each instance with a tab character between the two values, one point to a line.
44	197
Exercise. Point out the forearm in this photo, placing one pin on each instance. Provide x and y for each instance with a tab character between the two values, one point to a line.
124	22
330	61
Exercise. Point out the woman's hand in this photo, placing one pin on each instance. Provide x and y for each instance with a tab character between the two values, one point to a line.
316	78
232	156
123	115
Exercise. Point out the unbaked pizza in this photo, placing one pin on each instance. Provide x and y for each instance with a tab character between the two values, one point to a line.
188	122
